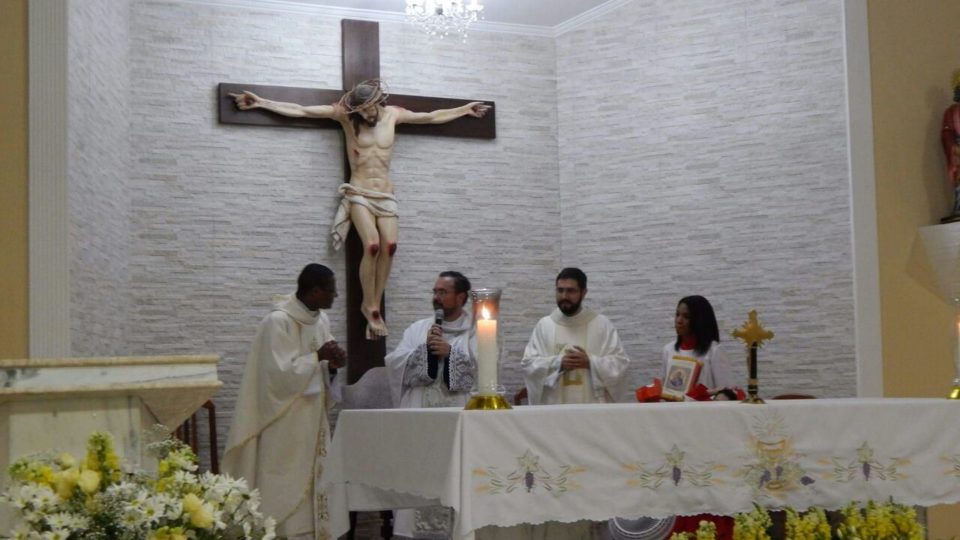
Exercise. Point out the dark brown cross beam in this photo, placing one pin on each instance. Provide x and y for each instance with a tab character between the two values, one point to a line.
361	61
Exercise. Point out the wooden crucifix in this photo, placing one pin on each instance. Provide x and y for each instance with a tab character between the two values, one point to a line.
361	61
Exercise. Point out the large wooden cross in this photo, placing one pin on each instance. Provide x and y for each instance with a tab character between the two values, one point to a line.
361	61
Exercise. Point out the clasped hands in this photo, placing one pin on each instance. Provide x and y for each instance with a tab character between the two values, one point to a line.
332	353
574	358
435	342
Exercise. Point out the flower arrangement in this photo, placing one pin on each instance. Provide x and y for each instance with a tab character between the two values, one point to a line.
60	498
706	530
875	521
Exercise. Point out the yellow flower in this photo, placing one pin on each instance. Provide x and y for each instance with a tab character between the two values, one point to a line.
191	503
66	460
167	533
89	481
66	482
706	530
202	518
46	476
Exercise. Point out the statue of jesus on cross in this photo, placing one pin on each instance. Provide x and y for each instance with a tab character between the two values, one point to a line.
367	200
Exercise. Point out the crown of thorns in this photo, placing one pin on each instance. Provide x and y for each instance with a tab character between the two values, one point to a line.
378	95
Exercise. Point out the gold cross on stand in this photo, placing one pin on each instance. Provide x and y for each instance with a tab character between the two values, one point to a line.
753	334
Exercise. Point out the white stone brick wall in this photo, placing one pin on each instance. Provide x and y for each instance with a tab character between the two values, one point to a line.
664	153
98	176
703	151
224	217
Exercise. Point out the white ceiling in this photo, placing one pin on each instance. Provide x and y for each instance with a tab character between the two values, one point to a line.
545	13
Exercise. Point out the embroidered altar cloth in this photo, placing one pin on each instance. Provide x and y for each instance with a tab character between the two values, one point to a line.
569	462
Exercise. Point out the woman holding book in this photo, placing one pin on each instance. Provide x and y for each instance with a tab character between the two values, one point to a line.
698	339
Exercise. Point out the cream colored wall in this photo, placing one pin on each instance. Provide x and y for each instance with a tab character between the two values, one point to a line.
913	50
13	178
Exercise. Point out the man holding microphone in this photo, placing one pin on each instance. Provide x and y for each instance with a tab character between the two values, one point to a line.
434	366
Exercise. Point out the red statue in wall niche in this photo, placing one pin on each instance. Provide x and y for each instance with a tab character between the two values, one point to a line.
950	137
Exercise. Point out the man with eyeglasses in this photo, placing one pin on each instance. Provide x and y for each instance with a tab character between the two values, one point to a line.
434	366
280	431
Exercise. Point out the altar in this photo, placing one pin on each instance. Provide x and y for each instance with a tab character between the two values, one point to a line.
56	403
567	462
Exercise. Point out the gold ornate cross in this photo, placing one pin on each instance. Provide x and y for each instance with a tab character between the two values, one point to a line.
752	333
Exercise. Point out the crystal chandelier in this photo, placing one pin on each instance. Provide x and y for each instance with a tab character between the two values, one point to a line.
443	17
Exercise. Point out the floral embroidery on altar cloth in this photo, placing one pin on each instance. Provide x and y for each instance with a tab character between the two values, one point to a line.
674	469
529	476
866	466
954	465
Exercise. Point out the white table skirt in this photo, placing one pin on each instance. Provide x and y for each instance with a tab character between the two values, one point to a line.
570	462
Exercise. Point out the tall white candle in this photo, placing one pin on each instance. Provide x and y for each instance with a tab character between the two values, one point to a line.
486	353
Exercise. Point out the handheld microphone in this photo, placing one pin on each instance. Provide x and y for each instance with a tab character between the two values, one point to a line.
433	362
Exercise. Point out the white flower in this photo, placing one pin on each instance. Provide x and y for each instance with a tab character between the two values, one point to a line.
17	500
253	499
34	497
153	509
233	502
56	534
61	520
270	525
218	523
21	532
132	518
76	522
181	461
184	478
174	508
124	490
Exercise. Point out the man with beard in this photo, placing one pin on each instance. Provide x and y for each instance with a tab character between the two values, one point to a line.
434	366
574	354
369	127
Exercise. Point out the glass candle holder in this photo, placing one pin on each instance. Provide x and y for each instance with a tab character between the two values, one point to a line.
486	319
487	394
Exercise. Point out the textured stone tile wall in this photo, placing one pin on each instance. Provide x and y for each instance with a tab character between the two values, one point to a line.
224	217
703	151
98	176
665	153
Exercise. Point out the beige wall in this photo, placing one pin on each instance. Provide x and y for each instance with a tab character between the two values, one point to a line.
13	179
913	47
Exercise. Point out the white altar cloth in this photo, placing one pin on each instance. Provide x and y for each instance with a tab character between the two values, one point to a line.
571	462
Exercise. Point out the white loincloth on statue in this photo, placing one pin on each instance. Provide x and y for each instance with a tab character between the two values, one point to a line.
378	203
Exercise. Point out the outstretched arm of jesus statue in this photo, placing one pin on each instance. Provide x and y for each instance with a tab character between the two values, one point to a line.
476	109
248	100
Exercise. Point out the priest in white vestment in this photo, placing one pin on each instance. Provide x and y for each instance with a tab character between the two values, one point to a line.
434	366
279	434
575	354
